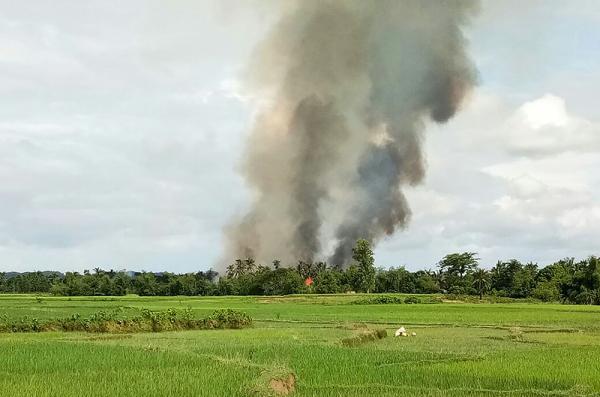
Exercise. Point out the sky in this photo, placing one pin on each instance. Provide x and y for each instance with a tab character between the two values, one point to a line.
122	126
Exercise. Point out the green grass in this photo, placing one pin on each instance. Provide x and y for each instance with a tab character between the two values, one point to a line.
461	349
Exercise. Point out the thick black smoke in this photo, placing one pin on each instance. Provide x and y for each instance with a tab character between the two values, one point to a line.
350	85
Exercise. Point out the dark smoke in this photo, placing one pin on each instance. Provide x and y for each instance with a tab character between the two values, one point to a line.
350	85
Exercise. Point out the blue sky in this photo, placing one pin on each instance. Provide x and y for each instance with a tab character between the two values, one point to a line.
122	127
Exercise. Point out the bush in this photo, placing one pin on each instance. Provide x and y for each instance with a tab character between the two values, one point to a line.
379	300
412	299
396	300
282	282
328	283
369	336
228	318
547	291
113	321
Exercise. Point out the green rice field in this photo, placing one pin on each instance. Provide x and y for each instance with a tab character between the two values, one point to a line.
294	347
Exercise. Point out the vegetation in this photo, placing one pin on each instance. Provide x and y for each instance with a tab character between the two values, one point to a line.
481	281
396	300
461	349
114	321
363	255
364	337
567	280
380	300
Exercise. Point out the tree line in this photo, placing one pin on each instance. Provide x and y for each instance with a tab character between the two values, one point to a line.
566	280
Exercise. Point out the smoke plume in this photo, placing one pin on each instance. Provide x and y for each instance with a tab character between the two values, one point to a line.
349	85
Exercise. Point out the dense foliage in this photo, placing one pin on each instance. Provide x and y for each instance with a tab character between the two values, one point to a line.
114	321
566	280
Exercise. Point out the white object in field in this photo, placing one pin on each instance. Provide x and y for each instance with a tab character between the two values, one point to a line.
413	334
401	332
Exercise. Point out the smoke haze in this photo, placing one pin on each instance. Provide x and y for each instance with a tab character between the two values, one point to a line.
349	86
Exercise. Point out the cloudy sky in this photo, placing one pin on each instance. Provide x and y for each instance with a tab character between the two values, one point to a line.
122	126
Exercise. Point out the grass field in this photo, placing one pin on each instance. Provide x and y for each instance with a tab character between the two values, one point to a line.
516	349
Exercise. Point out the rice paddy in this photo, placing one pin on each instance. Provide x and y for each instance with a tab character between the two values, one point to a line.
295	347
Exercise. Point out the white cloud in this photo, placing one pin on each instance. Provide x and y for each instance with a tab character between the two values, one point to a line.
580	221
547	111
533	201
544	126
570	170
118	141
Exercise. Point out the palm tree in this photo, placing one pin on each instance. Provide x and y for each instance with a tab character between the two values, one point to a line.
236	269
481	281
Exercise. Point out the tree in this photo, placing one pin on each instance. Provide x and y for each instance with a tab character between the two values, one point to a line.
310	269
546	291
328	282
503	277
459	264
146	284
454	270
226	286
3	282
426	282
395	280
524	282
121	282
562	275
350	279
363	255
241	267
481	281
282	281
584	286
